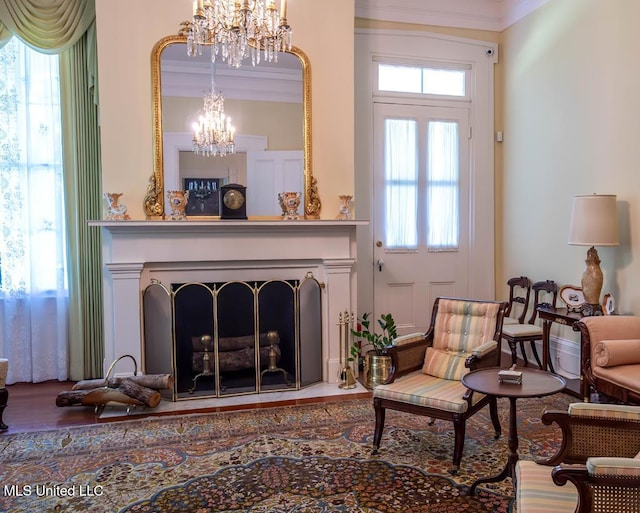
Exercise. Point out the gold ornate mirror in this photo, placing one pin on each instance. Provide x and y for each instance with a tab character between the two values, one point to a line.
169	59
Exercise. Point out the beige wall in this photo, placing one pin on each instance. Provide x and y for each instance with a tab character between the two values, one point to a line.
571	126
124	56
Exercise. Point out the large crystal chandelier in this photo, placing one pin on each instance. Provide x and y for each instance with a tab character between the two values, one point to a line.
237	29
213	133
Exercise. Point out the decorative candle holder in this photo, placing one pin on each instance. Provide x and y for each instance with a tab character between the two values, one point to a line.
344	213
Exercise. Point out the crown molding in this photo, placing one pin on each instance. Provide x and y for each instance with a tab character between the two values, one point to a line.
495	15
515	10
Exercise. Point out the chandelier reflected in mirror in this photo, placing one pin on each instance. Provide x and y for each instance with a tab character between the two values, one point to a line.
237	29
213	133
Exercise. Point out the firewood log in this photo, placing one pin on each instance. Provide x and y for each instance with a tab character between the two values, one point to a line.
234	343
129	392
155	381
231	361
95	397
146	396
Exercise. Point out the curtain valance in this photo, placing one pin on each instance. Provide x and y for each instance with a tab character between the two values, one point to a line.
49	26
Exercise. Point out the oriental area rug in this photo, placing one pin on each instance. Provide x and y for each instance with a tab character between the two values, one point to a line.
304	458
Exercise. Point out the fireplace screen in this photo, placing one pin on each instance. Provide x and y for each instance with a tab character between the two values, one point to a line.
230	338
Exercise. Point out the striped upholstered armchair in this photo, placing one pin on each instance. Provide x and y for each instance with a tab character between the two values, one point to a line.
595	470
426	373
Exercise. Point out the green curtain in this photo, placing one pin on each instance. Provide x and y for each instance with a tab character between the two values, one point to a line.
81	144
67	27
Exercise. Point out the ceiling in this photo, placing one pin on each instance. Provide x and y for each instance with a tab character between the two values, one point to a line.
475	14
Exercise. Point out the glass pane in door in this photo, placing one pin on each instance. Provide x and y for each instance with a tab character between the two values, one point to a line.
401	183
443	185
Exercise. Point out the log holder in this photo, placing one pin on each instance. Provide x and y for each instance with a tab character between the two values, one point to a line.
99	408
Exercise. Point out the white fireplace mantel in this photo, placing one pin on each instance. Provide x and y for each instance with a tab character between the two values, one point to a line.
134	252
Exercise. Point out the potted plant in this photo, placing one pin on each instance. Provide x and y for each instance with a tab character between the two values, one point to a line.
377	364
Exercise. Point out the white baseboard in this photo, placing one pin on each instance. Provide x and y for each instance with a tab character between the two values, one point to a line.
564	355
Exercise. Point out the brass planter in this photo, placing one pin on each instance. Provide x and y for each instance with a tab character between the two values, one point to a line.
376	369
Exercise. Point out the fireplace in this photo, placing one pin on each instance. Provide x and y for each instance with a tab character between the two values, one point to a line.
137	254
234	338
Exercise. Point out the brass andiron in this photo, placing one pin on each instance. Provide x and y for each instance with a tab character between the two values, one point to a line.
346	376
271	337
205	340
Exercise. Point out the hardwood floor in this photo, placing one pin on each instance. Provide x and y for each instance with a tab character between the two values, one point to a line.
32	407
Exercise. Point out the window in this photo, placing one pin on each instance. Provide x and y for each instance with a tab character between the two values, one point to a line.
32	242
401	183
434	196
443	185
422	80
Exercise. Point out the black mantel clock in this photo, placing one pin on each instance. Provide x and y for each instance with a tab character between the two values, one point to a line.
233	204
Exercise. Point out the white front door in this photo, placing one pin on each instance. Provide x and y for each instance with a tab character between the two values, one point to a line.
421	210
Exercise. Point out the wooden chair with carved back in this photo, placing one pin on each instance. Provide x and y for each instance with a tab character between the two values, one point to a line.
518	304
545	293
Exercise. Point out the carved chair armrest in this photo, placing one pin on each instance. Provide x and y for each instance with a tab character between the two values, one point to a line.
585	436
603	484
484	349
484	355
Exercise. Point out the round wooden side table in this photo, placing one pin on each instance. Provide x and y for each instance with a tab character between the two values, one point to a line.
535	383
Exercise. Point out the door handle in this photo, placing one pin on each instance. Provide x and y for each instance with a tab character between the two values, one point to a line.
380	263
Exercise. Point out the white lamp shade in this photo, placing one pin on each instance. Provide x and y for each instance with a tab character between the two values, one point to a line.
594	221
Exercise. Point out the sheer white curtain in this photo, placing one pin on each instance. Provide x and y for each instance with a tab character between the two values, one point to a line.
401	183
443	184
33	283
406	202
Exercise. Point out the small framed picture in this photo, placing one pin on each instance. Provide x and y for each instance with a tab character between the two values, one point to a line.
573	297
204	196
608	304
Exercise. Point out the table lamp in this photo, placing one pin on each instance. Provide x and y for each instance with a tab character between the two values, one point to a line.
594	222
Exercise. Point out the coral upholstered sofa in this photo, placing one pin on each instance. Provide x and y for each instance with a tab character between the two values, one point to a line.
610	359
